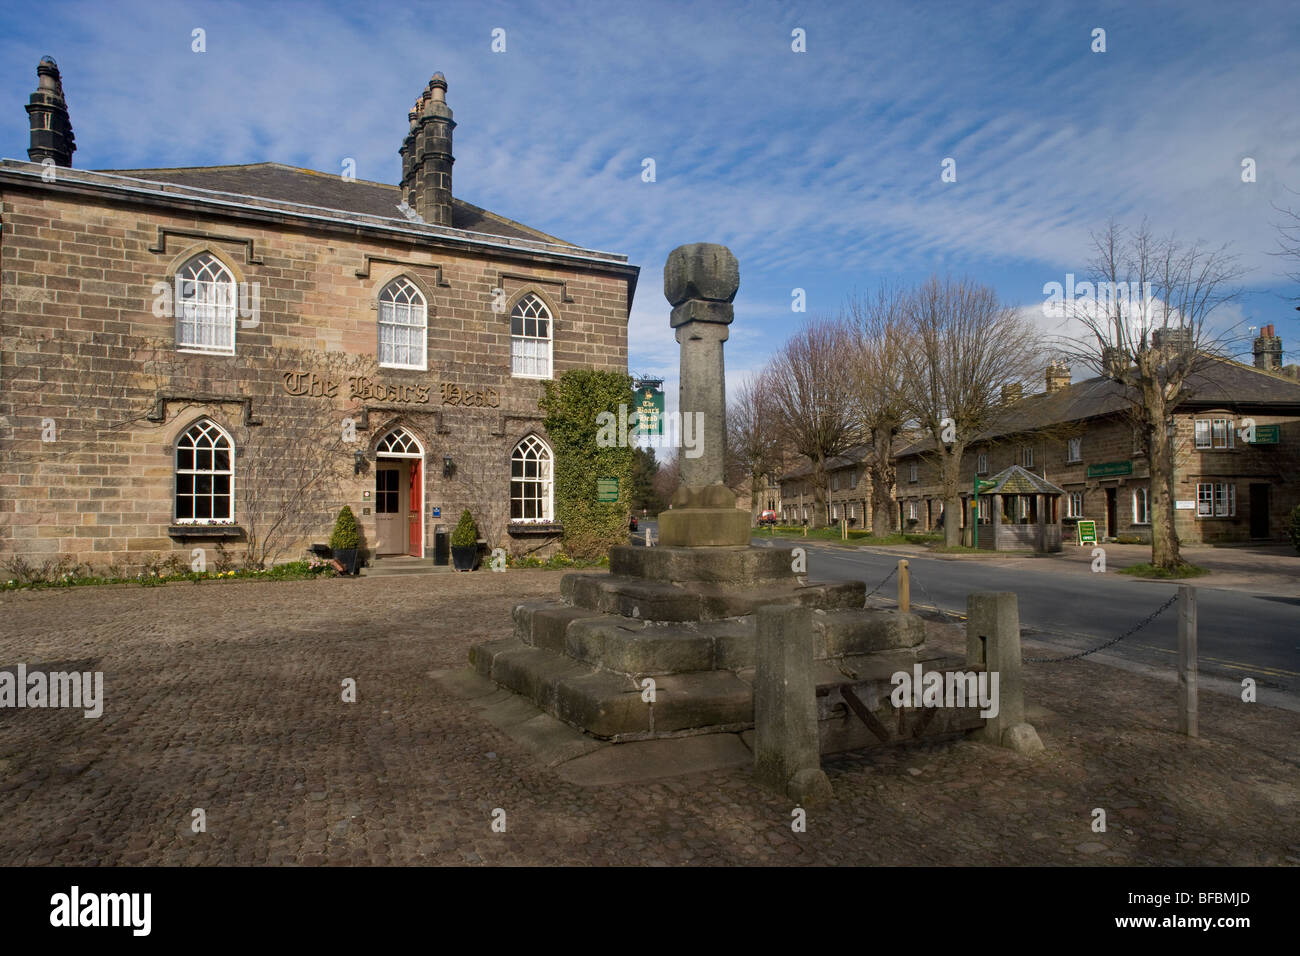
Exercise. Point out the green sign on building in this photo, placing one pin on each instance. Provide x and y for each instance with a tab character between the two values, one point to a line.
1110	469
1267	435
607	489
650	409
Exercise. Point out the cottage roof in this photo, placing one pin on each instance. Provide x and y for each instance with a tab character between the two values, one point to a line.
1217	383
308	187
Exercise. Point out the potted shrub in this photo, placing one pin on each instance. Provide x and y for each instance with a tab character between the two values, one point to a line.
345	542
464	543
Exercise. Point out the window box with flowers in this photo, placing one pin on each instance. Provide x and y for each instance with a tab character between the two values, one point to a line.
220	530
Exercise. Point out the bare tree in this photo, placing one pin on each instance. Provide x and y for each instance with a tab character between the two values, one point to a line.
963	345
812	393
1147	327
753	437
669	475
879	323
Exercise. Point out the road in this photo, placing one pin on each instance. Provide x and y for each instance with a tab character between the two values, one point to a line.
1239	634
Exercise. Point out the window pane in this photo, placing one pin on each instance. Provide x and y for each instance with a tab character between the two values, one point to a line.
203	507
184	506
185	458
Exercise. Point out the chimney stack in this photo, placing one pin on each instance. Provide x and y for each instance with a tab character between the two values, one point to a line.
1114	362
1268	350
1011	393
426	155
48	112
1058	377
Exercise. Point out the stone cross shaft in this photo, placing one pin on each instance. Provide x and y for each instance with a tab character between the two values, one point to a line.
700	282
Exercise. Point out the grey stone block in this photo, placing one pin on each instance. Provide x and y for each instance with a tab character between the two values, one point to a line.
1023	739
993	640
810	788
604	705
850	631
549	625
702	699
737	566
785	703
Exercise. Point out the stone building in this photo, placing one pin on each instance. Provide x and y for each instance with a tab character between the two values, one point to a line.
848	491
1081	438
224	356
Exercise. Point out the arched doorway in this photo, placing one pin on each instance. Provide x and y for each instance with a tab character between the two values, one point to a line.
399	494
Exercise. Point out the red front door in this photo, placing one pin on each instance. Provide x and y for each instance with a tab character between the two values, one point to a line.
416	515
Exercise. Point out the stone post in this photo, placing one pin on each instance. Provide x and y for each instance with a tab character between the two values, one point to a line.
700	282
787	747
993	640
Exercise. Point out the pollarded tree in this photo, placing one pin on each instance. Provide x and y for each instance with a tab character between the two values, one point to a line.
962	346
812	396
879	323
1147	325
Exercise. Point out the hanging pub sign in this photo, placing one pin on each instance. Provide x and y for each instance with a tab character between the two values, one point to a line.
650	409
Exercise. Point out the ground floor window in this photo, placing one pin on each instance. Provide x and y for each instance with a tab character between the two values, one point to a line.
1141	506
530	481
1074	504
205	474
1216	499
911	511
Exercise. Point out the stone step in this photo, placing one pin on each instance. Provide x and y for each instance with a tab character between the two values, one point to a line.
382	567
641	599
737	566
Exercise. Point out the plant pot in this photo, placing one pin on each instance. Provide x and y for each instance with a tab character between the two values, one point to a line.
348	558
464	556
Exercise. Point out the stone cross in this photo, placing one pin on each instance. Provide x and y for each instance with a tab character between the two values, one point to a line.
700	282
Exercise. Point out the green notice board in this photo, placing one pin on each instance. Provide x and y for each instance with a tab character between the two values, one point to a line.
1267	435
1110	468
1087	532
607	489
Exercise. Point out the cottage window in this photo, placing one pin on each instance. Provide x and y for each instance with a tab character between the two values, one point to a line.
982	463
1074	504
403	326
530	338
835	482
531	488
205	475
1213	433
1074	449
911	472
911	511
1216	500
205	306
1027	456
1141	506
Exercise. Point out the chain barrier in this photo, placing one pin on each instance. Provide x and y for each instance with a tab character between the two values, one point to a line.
934	603
1100	647
885	581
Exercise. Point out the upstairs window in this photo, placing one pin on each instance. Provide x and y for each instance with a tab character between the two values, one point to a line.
403	326
1027	456
1213	433
911	472
530	338
1074	449
982	463
205	475
206	303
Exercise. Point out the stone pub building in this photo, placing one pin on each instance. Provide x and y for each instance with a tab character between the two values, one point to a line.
226	355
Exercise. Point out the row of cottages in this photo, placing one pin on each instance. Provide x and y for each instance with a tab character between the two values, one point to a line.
1080	457
848	491
223	357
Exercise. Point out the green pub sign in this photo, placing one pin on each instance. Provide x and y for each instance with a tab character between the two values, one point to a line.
1087	532
650	411
1267	435
607	489
1109	469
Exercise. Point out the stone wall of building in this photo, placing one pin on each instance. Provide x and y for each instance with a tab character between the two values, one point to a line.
84	353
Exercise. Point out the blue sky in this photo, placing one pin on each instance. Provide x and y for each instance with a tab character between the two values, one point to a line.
821	170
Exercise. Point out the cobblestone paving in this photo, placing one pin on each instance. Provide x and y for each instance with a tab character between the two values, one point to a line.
226	696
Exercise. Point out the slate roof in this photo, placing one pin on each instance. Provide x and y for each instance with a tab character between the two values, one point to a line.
1017	481
1220	383
276	181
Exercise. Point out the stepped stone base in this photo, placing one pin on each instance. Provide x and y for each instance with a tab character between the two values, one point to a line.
684	619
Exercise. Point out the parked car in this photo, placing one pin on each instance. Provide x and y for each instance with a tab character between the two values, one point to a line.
767	517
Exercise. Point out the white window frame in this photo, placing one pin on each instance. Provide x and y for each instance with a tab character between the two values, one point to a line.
911	511
835	481
982	463
1216	499
1212	433
1074	504
911	472
209	429
1142	505
531	444
983	507
835	512
401	304
212	308
1074	450
531	308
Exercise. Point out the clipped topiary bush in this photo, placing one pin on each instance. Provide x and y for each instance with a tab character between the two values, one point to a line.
466	533
346	536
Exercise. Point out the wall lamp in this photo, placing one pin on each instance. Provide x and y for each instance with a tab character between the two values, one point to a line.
448	466
358	462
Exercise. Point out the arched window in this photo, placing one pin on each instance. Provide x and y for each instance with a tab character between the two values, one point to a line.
402	326
530	338
205	474
205	306
399	443
531	497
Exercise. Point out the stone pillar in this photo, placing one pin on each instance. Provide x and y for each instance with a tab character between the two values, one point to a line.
787	747
700	281
993	640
